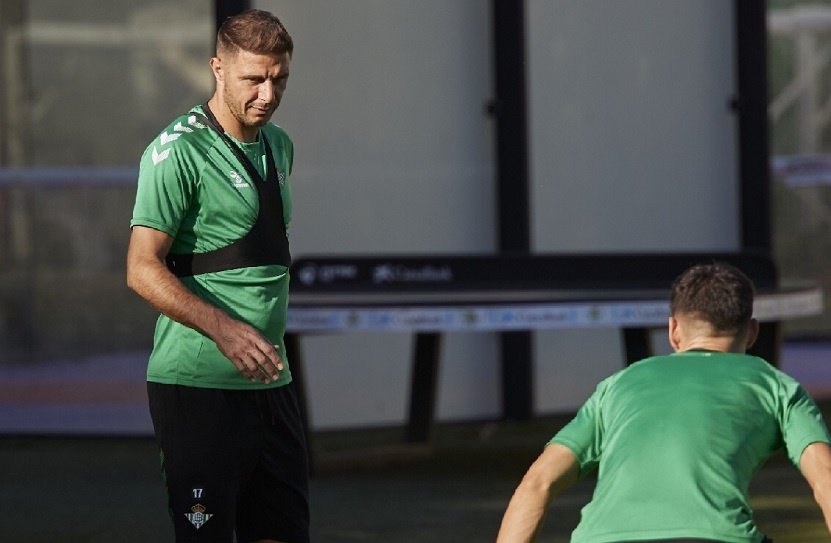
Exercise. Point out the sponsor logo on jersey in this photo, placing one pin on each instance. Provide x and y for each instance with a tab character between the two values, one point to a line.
238	180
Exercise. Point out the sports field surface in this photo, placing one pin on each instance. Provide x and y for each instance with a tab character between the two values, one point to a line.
96	490
366	488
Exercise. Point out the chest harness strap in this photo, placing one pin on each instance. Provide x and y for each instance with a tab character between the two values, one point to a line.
265	243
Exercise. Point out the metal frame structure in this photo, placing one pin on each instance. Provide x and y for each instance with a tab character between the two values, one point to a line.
226	8
750	23
509	110
513	209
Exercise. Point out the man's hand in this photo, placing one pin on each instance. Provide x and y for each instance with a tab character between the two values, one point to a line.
252	354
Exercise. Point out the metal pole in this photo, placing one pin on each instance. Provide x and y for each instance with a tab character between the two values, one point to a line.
226	8
513	209
754	153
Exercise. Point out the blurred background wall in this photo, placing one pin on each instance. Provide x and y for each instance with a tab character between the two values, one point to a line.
633	146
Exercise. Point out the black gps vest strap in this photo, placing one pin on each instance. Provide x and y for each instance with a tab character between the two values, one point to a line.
265	243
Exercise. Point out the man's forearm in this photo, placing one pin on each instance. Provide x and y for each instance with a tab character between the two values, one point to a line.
151	280
525	513
815	464
823	499
555	470
254	355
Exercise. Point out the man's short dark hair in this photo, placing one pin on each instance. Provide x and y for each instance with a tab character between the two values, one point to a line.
255	31
718	293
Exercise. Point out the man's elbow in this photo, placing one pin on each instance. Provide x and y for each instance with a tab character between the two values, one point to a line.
538	479
137	276
133	282
146	259
544	478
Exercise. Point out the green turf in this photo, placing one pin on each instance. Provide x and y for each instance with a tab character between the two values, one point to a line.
366	488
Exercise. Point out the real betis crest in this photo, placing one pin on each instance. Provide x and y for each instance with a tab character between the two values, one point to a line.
198	516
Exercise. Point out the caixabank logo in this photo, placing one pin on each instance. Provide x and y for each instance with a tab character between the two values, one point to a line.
400	273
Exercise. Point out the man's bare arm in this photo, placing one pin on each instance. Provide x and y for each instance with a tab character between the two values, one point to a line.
252	354
554	470
815	464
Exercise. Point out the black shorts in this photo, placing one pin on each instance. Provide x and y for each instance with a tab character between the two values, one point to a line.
233	461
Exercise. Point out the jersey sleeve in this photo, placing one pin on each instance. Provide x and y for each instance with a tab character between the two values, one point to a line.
800	419
283	149
289	154
166	183
583	435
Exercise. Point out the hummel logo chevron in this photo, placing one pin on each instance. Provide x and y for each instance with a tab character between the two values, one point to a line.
167	138
193	122
158	157
178	129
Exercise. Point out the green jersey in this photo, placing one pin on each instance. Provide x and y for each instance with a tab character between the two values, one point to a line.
193	188
676	440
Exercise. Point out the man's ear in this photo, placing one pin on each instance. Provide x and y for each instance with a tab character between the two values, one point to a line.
216	68
674	334
752	333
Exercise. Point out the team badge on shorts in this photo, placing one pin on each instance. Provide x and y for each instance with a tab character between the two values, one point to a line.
198	516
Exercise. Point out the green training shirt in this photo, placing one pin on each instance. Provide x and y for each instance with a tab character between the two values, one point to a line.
194	189
676	440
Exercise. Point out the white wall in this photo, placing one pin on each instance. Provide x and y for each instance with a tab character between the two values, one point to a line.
632	148
632	139
393	154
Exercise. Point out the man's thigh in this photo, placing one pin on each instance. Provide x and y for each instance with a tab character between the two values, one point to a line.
208	441
274	499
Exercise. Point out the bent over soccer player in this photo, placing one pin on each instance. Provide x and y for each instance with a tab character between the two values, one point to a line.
676	439
209	250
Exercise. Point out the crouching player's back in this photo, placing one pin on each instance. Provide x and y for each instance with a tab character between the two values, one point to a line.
676	439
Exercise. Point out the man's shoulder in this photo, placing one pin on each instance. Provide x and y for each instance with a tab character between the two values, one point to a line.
733	367
276	133
185	135
273	128
281	145
188	129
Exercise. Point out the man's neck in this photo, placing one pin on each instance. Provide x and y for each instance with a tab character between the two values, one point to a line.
229	123
723	344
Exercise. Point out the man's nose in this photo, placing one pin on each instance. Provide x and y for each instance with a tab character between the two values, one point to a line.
267	92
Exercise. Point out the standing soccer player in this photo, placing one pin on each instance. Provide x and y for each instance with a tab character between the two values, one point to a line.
209	249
